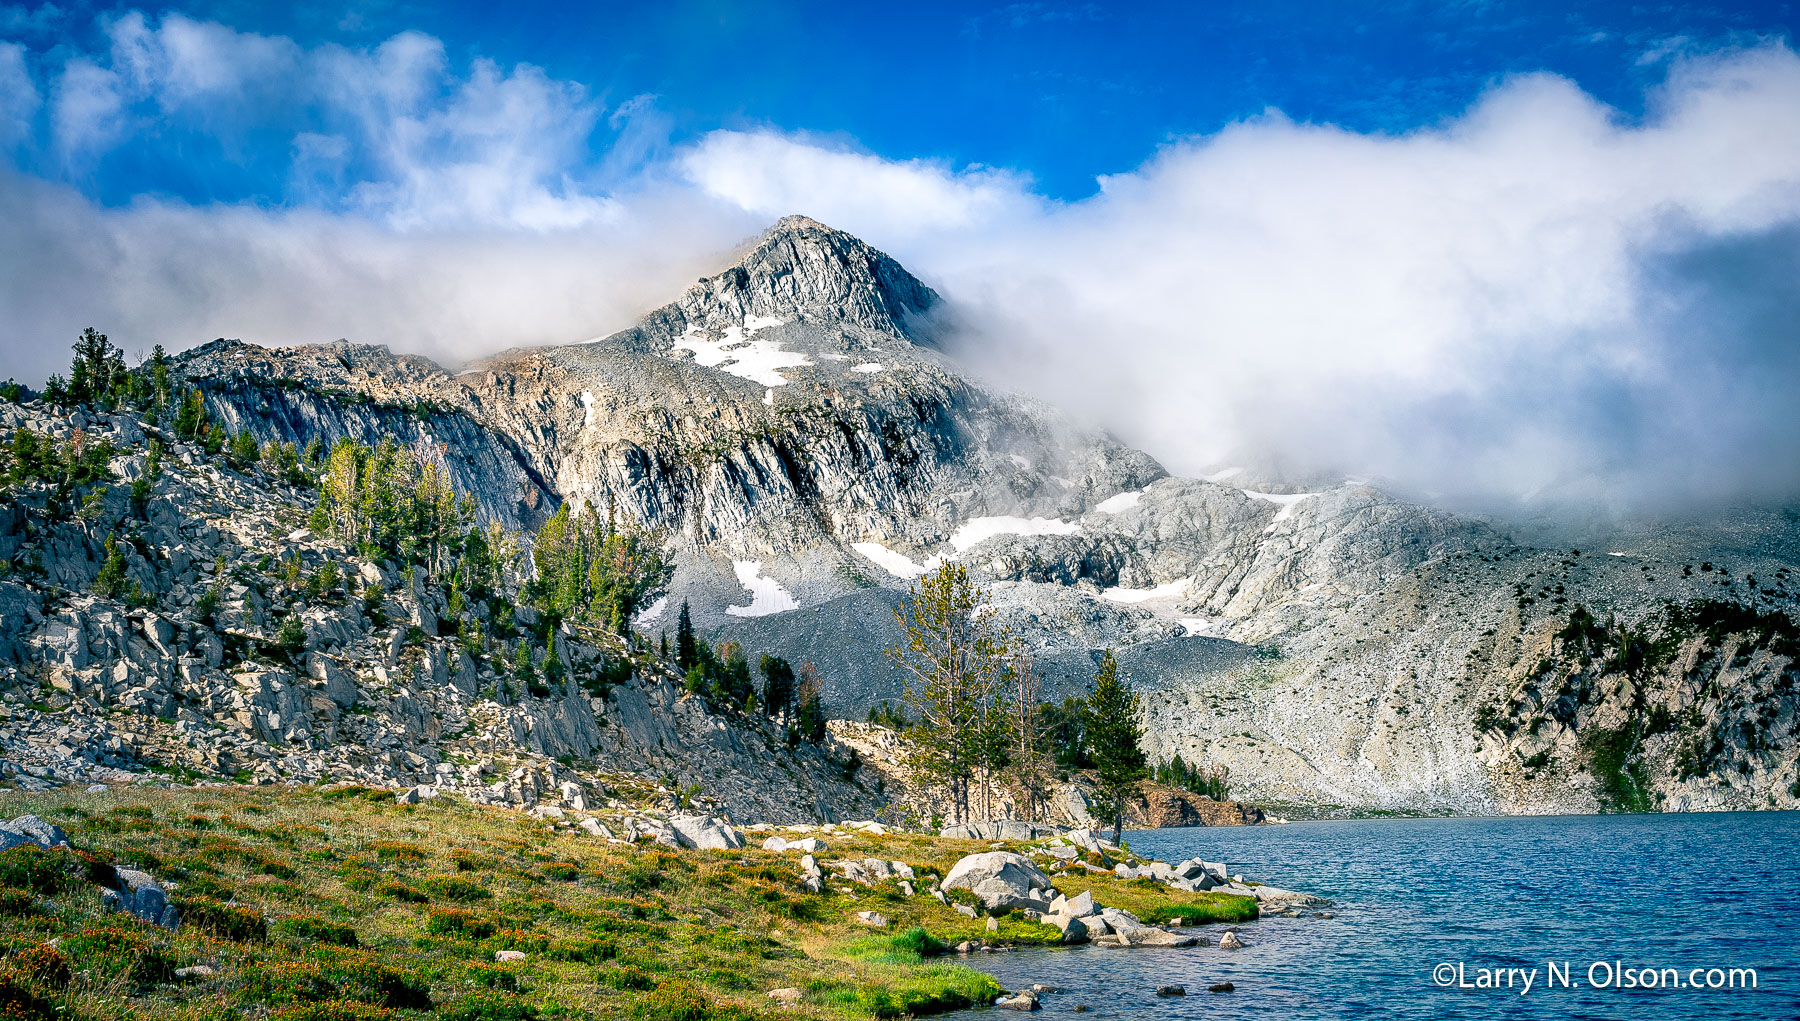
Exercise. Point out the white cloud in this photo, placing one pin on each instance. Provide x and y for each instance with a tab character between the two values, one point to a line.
771	175
1537	296
87	110
19	100
1478	310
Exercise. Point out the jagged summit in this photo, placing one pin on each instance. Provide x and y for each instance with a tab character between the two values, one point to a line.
800	267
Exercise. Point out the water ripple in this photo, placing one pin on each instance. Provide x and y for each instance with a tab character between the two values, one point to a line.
1681	891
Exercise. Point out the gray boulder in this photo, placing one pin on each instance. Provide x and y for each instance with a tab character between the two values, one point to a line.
1015	869
142	897
1002	894
1074	930
1128	931
705	832
29	829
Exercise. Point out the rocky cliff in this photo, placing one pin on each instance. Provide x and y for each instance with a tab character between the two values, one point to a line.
180	666
794	430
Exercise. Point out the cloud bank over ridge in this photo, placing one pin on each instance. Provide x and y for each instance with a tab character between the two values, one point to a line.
1534	299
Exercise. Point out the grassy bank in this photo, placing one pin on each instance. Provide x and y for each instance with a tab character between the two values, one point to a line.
321	905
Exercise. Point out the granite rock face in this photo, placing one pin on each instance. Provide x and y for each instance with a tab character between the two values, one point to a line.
796	430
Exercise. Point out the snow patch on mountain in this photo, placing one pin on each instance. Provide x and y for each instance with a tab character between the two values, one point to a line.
654	610
1167	590
1122	502
740	354
1285	501
895	563
976	531
766	594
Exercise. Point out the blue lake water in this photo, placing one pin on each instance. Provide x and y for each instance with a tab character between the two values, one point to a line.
1647	891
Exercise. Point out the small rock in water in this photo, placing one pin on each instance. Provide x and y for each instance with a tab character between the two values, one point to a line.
1082	1008
1220	987
1040	988
1171	990
1026	1000
1230	941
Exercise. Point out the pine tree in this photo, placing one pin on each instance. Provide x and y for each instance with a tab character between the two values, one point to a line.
244	451
190	418
1113	734
98	368
955	656
686	656
809	708
1029	768
778	686
110	582
291	639
159	378
595	572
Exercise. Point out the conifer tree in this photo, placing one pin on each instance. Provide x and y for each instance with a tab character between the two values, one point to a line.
809	706
110	581
778	686
686	655
1113	734
955	658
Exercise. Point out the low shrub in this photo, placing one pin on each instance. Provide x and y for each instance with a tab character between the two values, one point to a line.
41	871
363	977
562	870
331	1010
396	850
114	952
19	1003
493	976
625	976
280	982
43	964
455	888
18	903
519	939
317	929
488	1005
457	922
226	921
400	891
586	950
356	792
673	1001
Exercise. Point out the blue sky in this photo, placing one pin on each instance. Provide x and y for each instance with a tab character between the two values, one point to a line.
1485	251
1061	92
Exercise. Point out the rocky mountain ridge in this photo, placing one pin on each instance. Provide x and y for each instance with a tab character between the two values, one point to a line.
795	433
180	668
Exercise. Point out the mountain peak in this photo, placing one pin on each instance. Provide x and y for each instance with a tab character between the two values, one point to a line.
801	267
